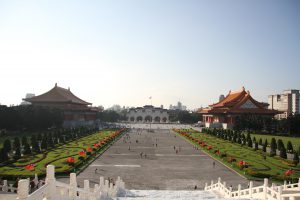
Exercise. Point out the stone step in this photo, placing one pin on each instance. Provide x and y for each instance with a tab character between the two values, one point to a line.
168	194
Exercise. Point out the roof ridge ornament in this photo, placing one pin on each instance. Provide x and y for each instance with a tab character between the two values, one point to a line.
55	84
243	88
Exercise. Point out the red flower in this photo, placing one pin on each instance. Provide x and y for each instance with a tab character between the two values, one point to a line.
29	167
82	153
242	163
209	147
89	149
289	172
71	160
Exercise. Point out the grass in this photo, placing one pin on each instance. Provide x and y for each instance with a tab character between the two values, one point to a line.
295	140
257	166
56	156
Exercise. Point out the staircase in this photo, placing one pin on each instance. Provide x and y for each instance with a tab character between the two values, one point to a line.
168	194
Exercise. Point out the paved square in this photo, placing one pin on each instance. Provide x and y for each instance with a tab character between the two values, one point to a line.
162	168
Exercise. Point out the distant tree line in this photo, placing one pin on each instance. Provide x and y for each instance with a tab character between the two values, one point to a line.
256	123
184	117
111	116
29	117
41	142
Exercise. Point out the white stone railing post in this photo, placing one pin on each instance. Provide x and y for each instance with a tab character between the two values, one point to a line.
239	190
106	188
50	180
279	192
23	189
73	185
86	187
284	184
5	186
250	188
205	186
299	183
265	188
97	191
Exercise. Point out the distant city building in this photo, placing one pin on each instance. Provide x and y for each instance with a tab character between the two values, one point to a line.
179	106
148	114
76	111
28	95
288	103
223	114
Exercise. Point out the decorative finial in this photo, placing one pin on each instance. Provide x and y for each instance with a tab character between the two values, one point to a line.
69	88
248	92
55	84
243	88
229	91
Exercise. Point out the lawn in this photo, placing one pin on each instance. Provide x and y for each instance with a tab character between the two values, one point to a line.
58	156
295	140
232	154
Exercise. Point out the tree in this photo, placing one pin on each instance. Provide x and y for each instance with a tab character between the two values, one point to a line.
264	147
280	144
296	158
50	143
44	143
260	141
283	153
289	147
256	146
24	140
17	153
249	142
7	146
35	144
16	143
3	155
273	147
27	150
254	140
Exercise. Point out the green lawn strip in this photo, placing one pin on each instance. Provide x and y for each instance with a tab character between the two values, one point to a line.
295	140
58	154
271	167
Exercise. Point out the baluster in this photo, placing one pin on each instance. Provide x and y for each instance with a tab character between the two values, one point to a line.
23	189
250	188
5	186
265	188
239	190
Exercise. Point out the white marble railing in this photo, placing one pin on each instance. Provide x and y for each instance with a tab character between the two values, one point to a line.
261	192
55	190
8	187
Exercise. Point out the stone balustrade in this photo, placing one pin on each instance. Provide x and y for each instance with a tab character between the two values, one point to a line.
261	192
55	190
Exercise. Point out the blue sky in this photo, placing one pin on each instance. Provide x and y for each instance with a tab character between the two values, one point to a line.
122	52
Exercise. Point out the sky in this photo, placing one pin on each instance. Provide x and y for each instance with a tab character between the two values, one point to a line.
124	51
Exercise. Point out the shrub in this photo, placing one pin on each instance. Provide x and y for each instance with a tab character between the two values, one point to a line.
296	158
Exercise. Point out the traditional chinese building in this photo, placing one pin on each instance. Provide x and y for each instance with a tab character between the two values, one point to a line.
77	112
223	113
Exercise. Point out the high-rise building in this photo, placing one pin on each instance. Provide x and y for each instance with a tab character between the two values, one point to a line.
288	103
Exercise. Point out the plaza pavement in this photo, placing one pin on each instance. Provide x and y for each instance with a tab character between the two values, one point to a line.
162	168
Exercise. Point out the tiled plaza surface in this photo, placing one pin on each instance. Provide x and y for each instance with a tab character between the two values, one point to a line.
162	168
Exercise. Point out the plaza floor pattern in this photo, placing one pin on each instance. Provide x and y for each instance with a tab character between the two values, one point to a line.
163	167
